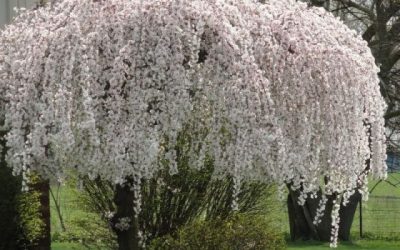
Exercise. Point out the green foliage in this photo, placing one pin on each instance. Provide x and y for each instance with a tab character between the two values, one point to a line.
20	222
171	201
87	230
168	203
237	232
29	215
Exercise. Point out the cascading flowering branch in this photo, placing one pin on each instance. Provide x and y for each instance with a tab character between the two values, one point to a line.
106	86
277	91
325	88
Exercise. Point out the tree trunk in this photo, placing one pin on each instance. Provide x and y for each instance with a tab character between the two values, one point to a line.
347	216
301	218
127	238
43	187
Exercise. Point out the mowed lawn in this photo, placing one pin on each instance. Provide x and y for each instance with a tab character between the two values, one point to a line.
82	228
381	213
381	219
356	245
66	246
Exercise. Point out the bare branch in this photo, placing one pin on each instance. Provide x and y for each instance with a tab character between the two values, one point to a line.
357	6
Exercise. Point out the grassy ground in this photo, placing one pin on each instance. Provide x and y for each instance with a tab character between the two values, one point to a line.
381	213
356	245
67	199
80	225
381	219
66	246
389	187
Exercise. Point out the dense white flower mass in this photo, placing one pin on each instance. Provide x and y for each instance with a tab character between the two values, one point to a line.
275	91
325	87
105	86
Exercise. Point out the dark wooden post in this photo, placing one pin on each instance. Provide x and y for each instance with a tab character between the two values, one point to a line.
361	220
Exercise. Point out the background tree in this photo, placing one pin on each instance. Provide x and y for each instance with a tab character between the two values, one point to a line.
379	24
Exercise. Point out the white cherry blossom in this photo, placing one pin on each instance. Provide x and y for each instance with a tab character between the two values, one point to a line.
272	92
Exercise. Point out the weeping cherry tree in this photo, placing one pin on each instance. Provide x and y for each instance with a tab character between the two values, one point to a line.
105	87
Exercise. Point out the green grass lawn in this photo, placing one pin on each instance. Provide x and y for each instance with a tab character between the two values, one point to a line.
66	246
381	219
381	213
80	225
356	245
67	198
390	187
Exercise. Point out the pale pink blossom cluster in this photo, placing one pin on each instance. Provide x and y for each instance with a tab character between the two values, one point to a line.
326	88
272	92
329	100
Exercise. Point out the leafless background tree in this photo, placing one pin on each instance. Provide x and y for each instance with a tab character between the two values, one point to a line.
378	21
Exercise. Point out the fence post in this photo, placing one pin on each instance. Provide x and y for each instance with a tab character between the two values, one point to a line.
361	225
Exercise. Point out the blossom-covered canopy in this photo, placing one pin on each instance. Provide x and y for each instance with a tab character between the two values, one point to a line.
325	88
326	92
104	86
279	91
